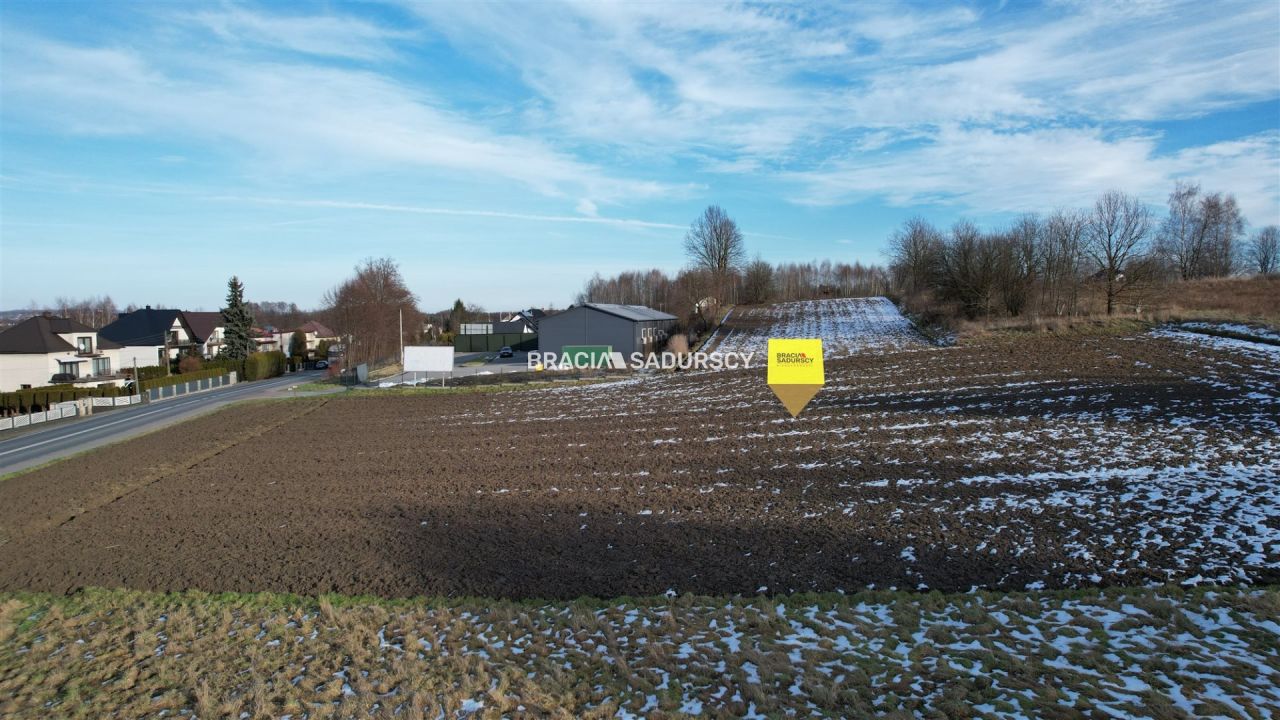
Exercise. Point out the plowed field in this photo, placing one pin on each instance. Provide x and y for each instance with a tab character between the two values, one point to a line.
1009	463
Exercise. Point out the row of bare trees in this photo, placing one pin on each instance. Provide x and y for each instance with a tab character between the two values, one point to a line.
719	273
92	311
1039	265
757	282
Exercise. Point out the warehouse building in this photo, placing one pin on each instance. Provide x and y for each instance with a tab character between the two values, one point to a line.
625	328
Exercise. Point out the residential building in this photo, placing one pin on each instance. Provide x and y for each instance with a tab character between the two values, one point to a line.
208	329
149	337
45	350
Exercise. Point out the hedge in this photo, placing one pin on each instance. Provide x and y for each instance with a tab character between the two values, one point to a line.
226	365
42	398
262	365
177	379
149	372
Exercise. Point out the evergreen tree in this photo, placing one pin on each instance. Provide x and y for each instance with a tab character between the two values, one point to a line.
457	316
298	344
237	341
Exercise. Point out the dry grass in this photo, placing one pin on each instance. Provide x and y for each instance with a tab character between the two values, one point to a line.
1252	301
132	654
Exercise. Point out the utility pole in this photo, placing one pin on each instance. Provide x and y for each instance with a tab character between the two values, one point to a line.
402	340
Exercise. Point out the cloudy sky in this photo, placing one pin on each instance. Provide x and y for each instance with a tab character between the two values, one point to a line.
503	153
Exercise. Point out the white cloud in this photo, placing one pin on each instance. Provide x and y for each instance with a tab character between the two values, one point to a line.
456	212
300	118
766	82
586	207
322	35
985	170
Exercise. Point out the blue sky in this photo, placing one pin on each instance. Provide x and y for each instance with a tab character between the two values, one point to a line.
503	153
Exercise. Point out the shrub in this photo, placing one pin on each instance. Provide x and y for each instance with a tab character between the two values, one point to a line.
176	379
262	365
226	365
42	398
189	364
150	372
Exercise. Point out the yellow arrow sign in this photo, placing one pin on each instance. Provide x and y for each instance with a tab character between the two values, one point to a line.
795	371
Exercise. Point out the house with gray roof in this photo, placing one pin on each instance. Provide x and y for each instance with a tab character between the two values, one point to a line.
46	350
152	336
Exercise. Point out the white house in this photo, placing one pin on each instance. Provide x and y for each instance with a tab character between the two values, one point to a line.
46	350
208	329
149	336
313	331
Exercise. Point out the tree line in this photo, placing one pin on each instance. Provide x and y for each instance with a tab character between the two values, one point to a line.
1043	265
718	273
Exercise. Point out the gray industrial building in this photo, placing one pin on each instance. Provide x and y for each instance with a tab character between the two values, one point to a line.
625	328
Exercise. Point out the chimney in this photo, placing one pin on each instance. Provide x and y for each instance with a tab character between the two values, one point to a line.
148	307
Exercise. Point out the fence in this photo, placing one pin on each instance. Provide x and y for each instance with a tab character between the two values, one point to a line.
494	342
167	392
57	412
72	408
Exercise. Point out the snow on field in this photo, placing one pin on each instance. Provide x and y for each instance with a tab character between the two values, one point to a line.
1021	655
1225	343
1063	462
847	326
1233	328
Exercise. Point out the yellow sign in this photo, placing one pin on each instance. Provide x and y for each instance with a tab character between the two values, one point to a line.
795	371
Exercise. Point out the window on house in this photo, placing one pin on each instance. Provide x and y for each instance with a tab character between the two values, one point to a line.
69	368
84	344
173	337
102	366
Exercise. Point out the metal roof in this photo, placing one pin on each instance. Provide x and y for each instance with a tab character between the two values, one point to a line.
638	313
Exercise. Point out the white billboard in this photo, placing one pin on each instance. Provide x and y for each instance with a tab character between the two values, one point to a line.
428	358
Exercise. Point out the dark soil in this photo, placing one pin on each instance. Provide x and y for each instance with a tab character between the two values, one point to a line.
997	465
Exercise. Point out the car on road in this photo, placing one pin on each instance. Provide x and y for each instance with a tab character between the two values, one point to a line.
505	352
321	364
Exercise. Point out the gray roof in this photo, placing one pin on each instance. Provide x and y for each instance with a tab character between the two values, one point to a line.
639	313
39	336
143	327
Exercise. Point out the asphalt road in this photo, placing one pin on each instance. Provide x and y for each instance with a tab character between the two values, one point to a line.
62	438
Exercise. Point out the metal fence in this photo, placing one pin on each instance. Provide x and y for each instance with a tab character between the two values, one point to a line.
493	342
167	392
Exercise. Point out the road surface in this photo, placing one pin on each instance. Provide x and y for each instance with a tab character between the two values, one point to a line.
62	438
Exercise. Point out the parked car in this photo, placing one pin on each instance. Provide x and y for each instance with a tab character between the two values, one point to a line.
505	352
322	364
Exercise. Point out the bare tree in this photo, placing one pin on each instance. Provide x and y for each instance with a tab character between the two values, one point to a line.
1016	267
1181	236
1061	252
1200	235
757	282
92	311
915	251
366	309
968	269
1223	227
714	243
1264	250
1115	236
